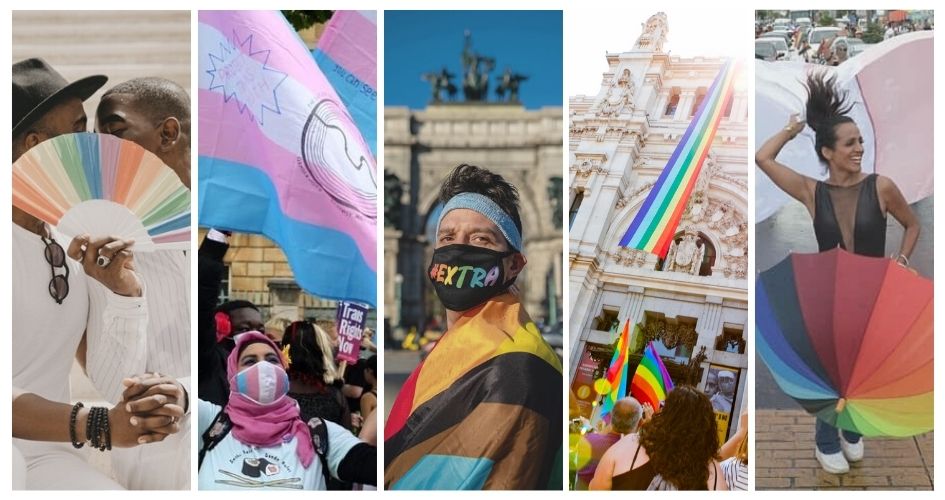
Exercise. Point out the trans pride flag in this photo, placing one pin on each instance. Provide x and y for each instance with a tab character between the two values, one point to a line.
651	382
347	54
655	224
279	154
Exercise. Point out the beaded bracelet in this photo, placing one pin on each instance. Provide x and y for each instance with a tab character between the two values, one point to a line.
72	420
98	431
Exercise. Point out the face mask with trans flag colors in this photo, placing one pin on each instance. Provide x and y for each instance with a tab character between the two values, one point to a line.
263	383
465	276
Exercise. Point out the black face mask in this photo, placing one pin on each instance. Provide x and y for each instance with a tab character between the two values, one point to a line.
465	276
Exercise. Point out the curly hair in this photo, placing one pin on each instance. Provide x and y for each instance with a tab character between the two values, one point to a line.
826	109
682	438
310	353
472	179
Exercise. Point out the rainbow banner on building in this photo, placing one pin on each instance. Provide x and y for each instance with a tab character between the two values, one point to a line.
280	156
617	372
347	54
651	382
655	224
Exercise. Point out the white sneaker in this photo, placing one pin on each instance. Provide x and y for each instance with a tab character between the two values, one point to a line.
852	451
834	463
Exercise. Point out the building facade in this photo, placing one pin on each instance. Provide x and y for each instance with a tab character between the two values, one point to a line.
421	147
693	303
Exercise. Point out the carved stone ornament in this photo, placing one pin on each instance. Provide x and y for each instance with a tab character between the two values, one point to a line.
619	97
630	257
672	335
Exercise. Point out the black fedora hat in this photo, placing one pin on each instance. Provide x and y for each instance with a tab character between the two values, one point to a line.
37	87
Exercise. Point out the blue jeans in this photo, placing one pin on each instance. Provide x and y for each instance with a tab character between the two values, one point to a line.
828	439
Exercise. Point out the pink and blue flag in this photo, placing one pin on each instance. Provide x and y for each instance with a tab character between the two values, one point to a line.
281	156
347	54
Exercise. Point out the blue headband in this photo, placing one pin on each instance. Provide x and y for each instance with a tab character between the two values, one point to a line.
489	209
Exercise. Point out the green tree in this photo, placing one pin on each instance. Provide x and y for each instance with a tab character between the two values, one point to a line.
873	34
304	19
826	20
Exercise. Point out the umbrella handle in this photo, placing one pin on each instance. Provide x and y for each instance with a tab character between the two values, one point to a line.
841	404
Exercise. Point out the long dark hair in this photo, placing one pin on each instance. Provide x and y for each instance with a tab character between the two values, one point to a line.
826	108
682	438
311	361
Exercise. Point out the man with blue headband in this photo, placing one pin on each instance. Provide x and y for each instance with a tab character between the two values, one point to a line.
483	411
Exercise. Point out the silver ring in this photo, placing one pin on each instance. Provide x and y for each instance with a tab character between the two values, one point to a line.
103	261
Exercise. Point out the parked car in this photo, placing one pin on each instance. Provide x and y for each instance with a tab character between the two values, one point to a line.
852	46
765	49
779	35
784	50
814	39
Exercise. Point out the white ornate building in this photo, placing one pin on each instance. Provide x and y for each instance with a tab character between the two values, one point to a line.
620	140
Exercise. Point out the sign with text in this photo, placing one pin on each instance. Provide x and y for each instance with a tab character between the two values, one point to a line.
349	320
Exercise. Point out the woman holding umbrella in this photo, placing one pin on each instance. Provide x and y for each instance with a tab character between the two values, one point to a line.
848	210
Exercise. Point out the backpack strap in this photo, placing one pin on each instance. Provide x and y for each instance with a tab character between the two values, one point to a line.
218	430
221	426
319	430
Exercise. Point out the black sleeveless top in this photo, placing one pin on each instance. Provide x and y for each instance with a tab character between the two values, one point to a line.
642	477
634	479
850	217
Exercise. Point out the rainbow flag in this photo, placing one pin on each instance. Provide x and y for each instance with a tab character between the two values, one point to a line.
280	156
347	54
617	372
483	411
655	224
651	382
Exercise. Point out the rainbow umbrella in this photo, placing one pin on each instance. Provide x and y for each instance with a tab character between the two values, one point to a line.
849	337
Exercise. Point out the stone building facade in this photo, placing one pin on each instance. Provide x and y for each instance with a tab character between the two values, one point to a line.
696	300
421	147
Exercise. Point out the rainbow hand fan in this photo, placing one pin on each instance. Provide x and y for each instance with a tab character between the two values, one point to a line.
101	185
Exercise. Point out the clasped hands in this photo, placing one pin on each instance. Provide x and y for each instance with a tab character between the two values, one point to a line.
151	409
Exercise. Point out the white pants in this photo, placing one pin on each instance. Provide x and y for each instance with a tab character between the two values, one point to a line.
59	466
19	470
156	466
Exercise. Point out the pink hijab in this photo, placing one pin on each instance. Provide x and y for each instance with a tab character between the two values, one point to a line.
269	425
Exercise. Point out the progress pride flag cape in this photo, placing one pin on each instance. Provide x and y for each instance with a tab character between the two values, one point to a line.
279	154
483	411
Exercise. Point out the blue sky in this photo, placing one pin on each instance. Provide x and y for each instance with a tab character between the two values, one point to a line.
416	42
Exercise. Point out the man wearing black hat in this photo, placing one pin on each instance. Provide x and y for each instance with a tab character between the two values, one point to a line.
46	105
50	303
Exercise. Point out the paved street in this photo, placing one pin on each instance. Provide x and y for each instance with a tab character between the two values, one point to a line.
397	367
784	447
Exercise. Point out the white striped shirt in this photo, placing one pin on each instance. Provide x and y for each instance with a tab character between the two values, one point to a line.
164	346
735	473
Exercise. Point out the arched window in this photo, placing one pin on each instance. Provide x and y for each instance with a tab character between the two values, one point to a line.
672	103
575	206
700	96
727	112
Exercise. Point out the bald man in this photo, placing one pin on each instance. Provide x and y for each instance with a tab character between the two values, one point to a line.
625	418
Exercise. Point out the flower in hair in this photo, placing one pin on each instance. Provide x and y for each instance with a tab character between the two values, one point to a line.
224	327
286	359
